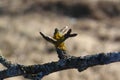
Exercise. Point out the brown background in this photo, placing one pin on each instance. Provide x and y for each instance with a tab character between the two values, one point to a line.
97	23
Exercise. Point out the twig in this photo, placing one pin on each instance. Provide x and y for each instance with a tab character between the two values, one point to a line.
58	40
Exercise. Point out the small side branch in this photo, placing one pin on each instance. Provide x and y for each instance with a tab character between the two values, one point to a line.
80	63
58	40
62	54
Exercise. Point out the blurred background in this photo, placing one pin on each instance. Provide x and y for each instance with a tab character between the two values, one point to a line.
97	23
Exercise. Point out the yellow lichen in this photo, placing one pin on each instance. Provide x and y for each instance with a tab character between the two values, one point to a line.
59	36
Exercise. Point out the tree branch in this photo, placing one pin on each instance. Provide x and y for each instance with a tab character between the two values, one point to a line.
80	63
66	61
